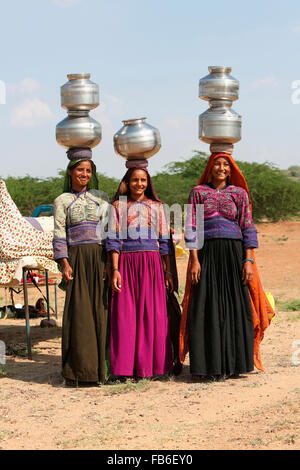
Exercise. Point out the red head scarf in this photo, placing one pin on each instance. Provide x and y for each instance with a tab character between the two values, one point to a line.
261	309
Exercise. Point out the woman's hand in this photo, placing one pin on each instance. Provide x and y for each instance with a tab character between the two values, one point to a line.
169	281
116	281
67	272
195	271
247	273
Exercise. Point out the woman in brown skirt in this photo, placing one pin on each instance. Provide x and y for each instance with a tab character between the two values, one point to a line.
80	251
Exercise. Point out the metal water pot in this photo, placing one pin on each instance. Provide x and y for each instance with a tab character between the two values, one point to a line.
78	130
137	140
220	123
219	84
79	93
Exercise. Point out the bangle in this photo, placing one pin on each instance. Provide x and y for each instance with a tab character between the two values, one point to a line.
114	269
249	259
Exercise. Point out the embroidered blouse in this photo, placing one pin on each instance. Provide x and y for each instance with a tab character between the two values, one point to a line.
138	226
77	220
226	213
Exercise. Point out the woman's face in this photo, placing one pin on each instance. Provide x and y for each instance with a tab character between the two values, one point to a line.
81	175
220	170
138	184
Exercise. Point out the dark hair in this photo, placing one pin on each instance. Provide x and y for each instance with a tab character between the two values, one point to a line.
149	192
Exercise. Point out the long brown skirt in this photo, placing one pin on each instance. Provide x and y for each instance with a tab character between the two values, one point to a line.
85	316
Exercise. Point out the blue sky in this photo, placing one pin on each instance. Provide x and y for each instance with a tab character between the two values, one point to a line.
147	58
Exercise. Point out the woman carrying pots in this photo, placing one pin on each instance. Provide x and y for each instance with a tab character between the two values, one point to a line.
225	310
79	248
139	245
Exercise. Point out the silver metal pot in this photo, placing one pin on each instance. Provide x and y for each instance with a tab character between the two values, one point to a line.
219	85
137	140
220	123
79	93
78	130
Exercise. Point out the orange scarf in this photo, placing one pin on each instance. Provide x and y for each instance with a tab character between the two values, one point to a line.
262	311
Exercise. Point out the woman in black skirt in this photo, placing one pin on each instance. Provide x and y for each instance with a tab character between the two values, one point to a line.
218	314
79	248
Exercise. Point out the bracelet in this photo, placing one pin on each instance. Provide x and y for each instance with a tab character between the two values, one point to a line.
168	272
249	259
114	269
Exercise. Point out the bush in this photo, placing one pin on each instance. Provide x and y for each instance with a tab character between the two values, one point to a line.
275	195
29	193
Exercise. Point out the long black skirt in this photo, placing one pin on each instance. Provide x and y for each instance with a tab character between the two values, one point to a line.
221	332
84	329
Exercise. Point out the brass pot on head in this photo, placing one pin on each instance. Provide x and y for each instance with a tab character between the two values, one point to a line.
219	84
78	96
220	125
137	140
79	93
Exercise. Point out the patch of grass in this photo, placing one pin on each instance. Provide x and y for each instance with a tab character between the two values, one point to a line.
5	435
252	385
119	387
280	424
281	239
3	371
258	442
23	352
290	439
292	305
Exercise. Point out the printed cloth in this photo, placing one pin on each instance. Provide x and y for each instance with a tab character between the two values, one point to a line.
19	239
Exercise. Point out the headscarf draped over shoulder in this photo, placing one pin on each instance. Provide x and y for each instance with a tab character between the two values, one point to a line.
262	311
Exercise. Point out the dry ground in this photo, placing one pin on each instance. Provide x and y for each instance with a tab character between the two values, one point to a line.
258	411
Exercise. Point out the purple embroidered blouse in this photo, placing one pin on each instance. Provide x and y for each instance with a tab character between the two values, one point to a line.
226	213
138	226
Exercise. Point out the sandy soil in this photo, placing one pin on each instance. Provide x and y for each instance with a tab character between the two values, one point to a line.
258	411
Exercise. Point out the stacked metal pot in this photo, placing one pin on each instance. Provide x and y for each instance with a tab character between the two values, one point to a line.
79	96
137	141
219	126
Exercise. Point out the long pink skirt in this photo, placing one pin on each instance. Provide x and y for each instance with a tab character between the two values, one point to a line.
140	339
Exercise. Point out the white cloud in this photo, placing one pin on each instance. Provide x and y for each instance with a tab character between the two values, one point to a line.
25	86
30	113
65	3
266	82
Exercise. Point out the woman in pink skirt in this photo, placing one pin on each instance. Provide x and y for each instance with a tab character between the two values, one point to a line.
139	243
